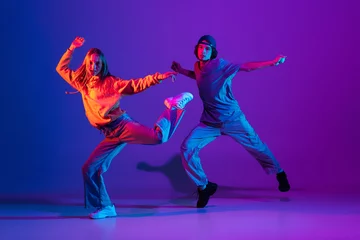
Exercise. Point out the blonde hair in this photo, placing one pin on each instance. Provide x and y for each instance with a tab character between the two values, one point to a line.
82	76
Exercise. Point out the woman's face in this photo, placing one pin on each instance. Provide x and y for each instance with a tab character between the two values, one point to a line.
93	65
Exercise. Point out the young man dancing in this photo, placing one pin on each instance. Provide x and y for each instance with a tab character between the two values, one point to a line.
222	116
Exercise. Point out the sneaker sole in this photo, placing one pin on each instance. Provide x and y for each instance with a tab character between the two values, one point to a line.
108	216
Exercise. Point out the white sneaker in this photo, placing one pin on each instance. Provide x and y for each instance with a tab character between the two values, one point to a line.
179	101
108	211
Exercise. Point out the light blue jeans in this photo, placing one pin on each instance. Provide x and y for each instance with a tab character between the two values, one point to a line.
241	131
122	131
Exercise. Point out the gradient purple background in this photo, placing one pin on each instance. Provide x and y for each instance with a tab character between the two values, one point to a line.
305	110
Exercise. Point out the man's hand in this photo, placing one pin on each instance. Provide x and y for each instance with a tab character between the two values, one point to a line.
279	60
176	67
78	42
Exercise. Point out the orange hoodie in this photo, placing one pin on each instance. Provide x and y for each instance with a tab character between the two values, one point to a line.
103	108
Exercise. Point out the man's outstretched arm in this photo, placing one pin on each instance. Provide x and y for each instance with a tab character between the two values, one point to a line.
251	66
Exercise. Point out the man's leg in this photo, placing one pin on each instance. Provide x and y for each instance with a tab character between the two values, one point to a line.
242	132
198	138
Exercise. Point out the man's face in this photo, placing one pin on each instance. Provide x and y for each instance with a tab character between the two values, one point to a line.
94	65
204	52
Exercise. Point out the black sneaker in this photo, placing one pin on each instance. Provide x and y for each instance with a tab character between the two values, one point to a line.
204	195
284	185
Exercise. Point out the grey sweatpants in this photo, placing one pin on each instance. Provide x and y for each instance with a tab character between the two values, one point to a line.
241	131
